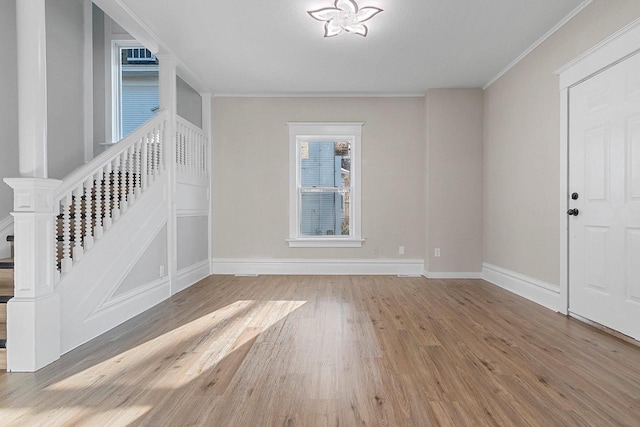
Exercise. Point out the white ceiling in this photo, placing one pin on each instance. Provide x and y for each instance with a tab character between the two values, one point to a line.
275	47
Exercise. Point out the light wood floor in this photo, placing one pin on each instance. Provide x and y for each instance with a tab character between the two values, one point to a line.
337	351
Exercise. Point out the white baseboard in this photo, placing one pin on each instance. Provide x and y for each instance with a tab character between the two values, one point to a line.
6	229
452	275
532	289
409	267
190	275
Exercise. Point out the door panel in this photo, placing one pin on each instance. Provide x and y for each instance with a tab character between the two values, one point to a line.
633	142
597	158
604	169
633	265
598	259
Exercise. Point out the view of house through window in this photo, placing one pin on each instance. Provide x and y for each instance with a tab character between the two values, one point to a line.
138	88
325	190
324	185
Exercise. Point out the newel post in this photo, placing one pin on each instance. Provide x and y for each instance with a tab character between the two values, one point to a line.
168	102
33	314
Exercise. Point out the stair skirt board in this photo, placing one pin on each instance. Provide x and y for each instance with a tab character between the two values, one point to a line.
88	308
6	229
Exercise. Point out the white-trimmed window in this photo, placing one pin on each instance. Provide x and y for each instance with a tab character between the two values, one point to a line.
324	185
134	87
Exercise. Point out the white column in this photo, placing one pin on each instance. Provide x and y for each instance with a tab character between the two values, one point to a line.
32	87
207	127
33	314
168	101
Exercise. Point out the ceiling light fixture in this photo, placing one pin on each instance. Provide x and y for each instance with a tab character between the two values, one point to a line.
345	16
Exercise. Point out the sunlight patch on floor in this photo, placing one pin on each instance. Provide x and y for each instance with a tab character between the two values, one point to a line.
209	339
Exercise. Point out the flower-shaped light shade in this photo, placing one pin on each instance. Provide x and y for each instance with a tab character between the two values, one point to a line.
345	16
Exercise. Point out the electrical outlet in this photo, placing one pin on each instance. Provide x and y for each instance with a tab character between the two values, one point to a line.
401	250
437	252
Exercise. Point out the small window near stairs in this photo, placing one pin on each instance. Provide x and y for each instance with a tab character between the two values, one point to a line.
135	87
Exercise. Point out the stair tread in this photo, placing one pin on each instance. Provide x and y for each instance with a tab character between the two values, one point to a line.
6	263
10	238
3	343
5	298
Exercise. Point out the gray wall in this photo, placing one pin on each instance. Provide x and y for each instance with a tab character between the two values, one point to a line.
189	103
454	140
522	146
192	241
65	119
8	104
251	175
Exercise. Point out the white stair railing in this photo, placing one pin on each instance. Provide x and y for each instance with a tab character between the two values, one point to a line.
92	198
191	150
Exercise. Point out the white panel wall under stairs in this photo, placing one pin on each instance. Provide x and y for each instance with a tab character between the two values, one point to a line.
88	306
193	241
151	266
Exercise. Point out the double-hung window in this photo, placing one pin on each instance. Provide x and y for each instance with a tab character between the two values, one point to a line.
324	185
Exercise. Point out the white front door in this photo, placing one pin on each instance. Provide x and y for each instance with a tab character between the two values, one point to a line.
604	180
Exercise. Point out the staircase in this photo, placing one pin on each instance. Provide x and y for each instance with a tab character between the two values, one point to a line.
70	241
6	293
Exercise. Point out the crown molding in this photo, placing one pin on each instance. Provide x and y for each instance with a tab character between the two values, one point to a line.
542	39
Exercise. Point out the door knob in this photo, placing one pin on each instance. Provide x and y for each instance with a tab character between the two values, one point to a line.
573	212
574	196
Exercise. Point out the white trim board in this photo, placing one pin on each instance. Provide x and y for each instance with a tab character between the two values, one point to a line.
610	51
538	42
189	276
452	275
6	228
409	267
532	289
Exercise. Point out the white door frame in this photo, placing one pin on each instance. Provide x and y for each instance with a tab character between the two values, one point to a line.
605	54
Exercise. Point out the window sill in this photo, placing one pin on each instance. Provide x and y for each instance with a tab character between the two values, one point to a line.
325	242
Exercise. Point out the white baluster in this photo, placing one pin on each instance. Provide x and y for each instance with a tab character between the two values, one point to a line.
138	160
153	145
192	153
88	221
124	203
107	196
178	144
201	164
145	161
161	130
98	230
66	235
115	178
78	250
180	150
57	255
132	176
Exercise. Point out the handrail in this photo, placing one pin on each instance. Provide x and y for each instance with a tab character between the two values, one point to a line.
100	161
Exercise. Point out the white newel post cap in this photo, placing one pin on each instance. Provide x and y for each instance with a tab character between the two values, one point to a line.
33	194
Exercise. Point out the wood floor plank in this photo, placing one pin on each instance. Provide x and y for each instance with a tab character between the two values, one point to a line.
337	351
